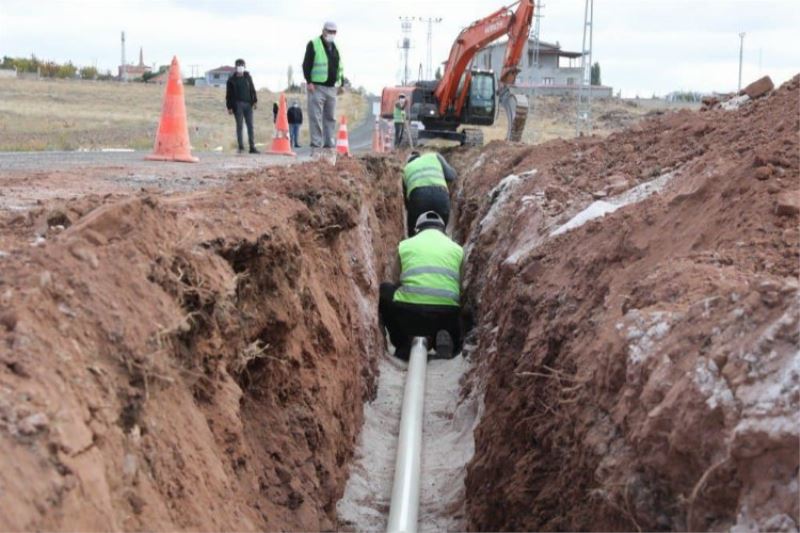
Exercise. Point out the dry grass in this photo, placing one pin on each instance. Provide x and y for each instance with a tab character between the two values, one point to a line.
553	117
72	115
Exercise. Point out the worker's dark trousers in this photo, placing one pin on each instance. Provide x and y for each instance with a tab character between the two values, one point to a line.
398	134
406	321
244	112
424	199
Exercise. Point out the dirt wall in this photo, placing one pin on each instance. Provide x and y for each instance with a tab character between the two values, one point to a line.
641	369
192	361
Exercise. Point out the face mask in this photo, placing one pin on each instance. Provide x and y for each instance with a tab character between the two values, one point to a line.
239	70
329	37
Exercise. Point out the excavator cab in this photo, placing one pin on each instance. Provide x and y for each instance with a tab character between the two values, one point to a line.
481	102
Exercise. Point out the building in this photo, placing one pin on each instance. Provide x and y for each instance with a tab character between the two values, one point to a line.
558	72
8	72
218	77
134	71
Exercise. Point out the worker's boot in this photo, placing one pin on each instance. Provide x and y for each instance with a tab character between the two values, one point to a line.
444	346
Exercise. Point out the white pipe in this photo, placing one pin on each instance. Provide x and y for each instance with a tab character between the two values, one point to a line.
405	491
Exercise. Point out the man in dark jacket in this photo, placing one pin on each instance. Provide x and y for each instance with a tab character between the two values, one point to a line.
275	110
322	69
241	100
295	116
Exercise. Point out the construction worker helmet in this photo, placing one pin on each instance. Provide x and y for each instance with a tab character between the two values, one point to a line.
412	156
429	219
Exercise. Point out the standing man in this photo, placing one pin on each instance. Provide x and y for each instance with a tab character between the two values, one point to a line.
427	301
295	116
322	68
241	100
399	119
425	186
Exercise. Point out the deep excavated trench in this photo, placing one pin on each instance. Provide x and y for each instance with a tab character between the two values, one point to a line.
201	361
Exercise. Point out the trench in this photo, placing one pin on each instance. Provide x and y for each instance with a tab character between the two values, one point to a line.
451	411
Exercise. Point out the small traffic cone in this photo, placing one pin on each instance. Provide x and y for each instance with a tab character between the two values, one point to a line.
376	137
280	143
342	145
172	138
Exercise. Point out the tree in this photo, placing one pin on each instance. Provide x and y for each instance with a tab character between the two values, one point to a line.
88	73
596	74
438	74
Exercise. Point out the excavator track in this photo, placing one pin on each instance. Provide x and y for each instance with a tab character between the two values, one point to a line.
516	107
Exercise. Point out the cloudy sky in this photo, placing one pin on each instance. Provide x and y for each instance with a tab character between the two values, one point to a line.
643	46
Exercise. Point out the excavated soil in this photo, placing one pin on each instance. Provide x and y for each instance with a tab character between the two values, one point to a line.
641	370
193	361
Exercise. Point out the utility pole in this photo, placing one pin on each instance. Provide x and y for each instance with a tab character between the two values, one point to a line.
583	122
124	74
429	53
535	75
405	46
741	50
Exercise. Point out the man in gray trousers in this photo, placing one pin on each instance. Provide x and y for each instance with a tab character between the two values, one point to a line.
322	68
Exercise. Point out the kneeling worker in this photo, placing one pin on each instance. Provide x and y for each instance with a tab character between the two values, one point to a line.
426	302
425	181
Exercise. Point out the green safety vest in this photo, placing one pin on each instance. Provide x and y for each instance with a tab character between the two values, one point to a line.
399	114
424	171
431	269
319	72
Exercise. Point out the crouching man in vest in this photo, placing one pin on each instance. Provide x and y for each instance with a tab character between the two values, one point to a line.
425	181
426	302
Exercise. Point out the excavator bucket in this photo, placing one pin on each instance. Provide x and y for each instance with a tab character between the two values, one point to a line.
516	108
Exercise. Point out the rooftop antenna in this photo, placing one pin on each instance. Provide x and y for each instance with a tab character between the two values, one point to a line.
583	121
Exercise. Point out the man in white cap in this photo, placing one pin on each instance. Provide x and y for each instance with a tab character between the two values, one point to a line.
322	68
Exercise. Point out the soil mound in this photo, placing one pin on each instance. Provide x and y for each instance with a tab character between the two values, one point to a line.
637	309
196	361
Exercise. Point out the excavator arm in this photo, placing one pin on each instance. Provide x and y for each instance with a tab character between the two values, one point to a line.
515	23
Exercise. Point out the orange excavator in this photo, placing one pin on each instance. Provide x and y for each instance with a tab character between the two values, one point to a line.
467	95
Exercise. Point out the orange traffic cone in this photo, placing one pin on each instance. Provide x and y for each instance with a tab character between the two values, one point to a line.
172	139
342	145
376	137
280	143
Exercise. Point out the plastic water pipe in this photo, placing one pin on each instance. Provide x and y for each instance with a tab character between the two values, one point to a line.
405	491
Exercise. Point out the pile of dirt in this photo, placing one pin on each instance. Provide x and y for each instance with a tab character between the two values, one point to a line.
641	369
192	361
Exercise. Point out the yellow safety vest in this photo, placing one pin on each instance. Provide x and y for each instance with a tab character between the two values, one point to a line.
431	269
424	171
319	71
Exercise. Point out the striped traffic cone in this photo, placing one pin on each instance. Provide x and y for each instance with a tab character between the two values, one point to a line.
280	143
342	144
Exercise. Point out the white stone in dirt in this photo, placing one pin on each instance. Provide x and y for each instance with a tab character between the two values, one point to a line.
498	197
609	205
734	103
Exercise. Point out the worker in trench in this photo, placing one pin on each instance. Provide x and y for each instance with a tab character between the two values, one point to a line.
399	116
426	302
425	187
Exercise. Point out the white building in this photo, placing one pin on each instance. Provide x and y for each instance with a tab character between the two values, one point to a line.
218	77
558	71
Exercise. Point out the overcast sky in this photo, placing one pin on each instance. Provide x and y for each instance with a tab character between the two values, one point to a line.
643	46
